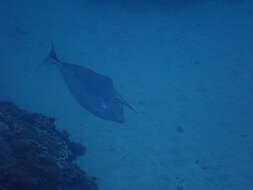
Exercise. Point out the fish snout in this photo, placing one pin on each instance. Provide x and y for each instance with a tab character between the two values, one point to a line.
120	120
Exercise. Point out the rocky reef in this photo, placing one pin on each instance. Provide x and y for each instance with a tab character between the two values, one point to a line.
35	155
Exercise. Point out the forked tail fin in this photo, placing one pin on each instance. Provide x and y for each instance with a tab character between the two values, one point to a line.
52	57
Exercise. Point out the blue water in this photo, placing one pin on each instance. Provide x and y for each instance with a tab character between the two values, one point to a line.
186	66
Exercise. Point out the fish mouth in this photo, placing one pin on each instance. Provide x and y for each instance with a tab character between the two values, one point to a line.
120	120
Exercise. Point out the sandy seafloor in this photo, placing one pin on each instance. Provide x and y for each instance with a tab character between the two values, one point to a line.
187	70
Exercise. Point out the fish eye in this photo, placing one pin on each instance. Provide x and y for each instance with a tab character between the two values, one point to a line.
116	99
103	105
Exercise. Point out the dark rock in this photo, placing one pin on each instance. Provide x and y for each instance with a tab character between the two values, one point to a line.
34	155
180	129
77	149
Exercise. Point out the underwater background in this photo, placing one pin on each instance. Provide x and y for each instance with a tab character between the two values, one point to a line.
186	67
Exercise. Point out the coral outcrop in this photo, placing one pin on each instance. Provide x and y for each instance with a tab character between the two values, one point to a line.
35	155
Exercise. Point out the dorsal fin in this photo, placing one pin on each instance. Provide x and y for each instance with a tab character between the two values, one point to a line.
124	102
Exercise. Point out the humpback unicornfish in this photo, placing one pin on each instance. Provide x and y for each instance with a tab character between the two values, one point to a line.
93	91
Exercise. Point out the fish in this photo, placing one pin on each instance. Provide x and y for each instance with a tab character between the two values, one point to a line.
93	91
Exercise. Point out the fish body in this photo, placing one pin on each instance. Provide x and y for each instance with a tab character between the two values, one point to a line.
93	91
